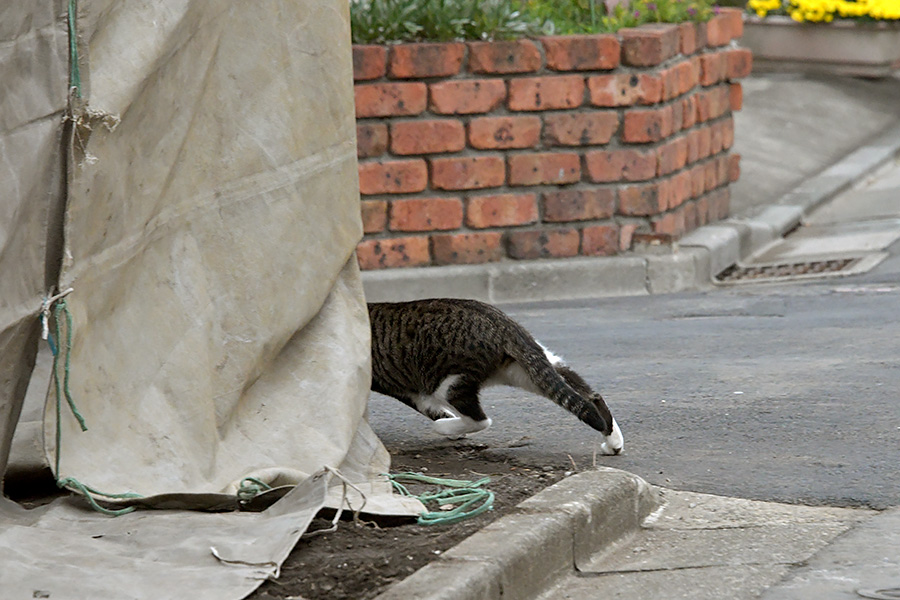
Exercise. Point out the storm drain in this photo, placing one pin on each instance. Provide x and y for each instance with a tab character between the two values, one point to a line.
813	268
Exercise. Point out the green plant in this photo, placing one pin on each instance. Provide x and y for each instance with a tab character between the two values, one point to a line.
382	21
593	16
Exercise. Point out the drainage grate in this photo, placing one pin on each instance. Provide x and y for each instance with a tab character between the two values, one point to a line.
737	273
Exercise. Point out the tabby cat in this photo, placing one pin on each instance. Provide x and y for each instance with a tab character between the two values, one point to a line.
436	355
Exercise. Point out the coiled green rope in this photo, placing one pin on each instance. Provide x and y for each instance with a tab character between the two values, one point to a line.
469	497
61	314
250	488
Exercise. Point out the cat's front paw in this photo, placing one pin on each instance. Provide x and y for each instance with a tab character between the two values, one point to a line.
458	427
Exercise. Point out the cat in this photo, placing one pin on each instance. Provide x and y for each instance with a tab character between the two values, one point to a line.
435	356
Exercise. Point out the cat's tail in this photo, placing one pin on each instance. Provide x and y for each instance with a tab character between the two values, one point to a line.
536	362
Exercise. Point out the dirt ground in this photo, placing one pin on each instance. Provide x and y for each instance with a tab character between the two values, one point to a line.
359	561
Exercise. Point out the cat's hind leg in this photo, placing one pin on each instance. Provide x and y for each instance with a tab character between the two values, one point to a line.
462	396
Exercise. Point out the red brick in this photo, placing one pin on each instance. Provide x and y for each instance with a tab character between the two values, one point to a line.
426	60
392	177
371	139
544	168
374	215
678	189
672	155
427	136
501	210
649	45
600	240
704	142
426	214
711	175
735	96
701	35
548	243
580	129
581	52
579	205
671	223
719	30
723	170
620	165
369	62
624	89
626	234
389	99
693	146
712	68
504	132
719	204
396	252
687	38
520	56
698	181
677	116
467	173
702	205
735	19
467	248
669	78
727	133
715	138
647	125
691	218
467	96
739	63
641	200
546	93
685	78
713	102
703	108
689	112
734	167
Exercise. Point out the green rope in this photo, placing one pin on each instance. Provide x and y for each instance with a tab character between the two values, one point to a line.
251	487
61	313
74	71
469	498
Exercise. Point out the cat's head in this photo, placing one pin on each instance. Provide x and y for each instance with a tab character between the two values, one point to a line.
613	442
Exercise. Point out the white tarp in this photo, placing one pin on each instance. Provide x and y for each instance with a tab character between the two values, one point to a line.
201	201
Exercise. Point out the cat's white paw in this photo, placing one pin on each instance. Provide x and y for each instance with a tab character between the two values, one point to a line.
457	427
614	442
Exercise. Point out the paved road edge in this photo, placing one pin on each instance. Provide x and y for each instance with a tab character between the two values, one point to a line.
520	554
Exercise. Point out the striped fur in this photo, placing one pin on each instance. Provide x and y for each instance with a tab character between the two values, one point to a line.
435	355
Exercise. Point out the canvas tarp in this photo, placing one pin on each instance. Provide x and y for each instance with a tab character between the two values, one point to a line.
200	199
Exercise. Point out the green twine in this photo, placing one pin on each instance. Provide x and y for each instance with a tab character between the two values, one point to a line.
61	312
74	72
464	494
250	488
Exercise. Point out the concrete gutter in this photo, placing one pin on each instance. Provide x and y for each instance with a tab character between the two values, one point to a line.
522	553
691	264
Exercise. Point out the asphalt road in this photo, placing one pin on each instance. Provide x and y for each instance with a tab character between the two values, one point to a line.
787	392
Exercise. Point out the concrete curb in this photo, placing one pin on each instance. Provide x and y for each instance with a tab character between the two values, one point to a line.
690	265
549	534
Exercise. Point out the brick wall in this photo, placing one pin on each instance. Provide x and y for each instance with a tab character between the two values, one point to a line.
555	147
